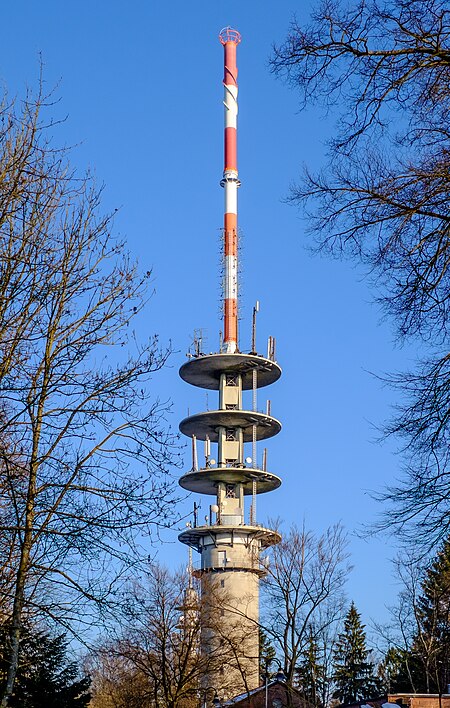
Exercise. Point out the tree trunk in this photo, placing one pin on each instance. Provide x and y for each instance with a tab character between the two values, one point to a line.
19	594
16	623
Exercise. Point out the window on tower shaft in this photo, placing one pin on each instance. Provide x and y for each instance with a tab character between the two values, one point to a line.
230	491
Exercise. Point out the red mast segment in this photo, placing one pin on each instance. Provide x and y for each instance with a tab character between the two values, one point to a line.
230	38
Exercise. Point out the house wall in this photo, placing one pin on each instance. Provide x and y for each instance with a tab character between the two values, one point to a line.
421	700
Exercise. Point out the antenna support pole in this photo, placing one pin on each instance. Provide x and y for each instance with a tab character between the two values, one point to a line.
255	311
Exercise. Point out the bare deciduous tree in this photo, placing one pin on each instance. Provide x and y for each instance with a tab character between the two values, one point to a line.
303	593
116	682
384	198
84	451
161	646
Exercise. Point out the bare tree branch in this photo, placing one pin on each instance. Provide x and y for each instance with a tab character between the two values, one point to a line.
383	198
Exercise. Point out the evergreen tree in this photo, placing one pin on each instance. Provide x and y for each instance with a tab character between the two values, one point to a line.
425	667
310	673
390	667
353	672
433	643
267	654
45	677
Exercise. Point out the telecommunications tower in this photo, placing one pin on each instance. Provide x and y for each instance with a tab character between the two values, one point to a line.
230	540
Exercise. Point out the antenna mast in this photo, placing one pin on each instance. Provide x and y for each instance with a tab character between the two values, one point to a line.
230	38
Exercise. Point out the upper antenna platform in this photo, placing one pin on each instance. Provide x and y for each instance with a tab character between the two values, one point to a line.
227	34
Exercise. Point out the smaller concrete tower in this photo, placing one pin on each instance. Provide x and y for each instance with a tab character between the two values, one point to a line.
230	541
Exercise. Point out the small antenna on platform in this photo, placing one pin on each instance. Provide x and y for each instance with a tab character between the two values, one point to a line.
207	451
253	504
190	569
196	508
271	348
197	342
254	406
255	311
194	454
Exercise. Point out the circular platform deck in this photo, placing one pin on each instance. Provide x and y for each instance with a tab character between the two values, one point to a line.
191	536
205	481
206	424
205	371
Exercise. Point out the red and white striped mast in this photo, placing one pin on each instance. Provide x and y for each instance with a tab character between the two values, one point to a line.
230	38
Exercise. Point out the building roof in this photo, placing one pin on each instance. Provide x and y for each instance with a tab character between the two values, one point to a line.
279	695
378	702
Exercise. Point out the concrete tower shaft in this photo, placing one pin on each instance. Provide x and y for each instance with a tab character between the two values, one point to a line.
230	540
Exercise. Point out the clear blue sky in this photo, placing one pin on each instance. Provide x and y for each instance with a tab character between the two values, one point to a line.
140	83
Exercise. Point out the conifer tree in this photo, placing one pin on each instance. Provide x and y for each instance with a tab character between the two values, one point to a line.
310	673
353	671
267	654
425	665
434	609
45	676
395	669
